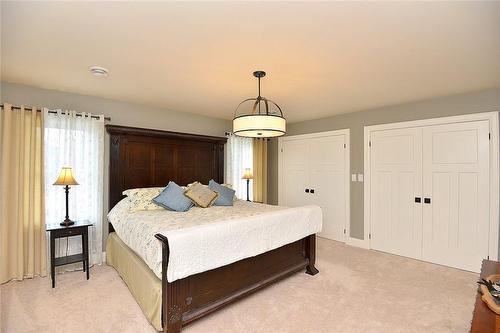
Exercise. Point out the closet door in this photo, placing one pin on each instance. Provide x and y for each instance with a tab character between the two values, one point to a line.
328	179
295	172
396	186
456	185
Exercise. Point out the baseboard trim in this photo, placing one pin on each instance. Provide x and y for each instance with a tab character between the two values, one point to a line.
357	242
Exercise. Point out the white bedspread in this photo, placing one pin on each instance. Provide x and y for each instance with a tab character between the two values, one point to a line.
206	238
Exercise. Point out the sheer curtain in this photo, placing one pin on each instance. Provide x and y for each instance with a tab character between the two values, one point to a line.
239	155
77	142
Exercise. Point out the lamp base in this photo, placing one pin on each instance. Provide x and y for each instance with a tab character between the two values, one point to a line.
66	223
248	189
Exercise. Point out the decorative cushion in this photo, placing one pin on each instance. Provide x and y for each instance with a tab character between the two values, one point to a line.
226	194
172	198
231	187
201	195
223	184
142	198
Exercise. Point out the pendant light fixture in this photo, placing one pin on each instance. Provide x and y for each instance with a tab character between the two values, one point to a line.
259	117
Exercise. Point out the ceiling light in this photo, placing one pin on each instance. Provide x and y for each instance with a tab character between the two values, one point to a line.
262	118
99	71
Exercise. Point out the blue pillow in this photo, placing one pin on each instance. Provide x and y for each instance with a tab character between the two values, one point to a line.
226	194
173	198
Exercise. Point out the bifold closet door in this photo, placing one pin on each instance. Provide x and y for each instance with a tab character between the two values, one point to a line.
396	187
456	183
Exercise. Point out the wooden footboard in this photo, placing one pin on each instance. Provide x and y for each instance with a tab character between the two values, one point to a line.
195	296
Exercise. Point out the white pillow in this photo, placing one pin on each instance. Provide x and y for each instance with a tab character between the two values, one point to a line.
142	198
134	190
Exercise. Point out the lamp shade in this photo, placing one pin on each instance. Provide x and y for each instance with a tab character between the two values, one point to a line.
66	177
248	174
259	126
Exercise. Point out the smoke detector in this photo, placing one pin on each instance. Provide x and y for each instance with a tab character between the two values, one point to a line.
99	71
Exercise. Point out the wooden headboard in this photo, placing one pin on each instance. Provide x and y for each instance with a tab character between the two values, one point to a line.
145	158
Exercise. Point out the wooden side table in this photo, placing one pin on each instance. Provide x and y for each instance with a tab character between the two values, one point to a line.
80	228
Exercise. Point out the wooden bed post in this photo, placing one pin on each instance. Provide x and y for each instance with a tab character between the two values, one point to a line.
311	254
171	312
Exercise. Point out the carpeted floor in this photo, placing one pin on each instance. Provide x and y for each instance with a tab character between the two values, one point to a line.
356	291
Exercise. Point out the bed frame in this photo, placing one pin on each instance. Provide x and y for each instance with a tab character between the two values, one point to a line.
144	158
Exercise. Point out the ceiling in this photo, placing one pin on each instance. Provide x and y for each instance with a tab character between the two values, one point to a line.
322	58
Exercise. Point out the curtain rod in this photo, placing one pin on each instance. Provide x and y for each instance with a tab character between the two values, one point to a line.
14	107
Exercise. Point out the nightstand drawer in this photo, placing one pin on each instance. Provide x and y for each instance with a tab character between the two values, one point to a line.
69	232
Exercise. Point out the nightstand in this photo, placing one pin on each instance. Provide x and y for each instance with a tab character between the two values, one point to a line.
80	228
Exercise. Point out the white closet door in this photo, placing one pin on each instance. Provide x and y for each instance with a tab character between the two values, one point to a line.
295	172
396	179
456	180
327	176
314	170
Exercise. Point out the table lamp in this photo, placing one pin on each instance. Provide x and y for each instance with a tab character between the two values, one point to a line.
66	178
248	175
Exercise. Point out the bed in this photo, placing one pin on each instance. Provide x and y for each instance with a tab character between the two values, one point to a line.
172	298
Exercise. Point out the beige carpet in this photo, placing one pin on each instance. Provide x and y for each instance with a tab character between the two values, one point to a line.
356	291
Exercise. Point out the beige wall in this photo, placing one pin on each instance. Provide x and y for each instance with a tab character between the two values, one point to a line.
121	113
482	101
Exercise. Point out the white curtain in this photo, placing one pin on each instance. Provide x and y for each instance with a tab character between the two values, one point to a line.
239	155
77	142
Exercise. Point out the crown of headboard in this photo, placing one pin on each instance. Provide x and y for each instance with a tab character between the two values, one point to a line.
142	157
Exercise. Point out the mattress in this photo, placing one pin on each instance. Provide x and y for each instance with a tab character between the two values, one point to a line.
142	282
206	238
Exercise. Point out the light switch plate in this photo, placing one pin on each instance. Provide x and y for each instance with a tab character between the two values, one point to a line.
353	177
360	177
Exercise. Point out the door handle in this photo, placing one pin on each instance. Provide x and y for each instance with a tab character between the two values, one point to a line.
312	190
427	200
418	199
307	190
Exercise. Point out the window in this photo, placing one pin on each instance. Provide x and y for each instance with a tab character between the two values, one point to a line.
239	156
76	142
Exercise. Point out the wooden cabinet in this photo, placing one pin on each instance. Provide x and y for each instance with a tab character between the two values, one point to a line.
484	320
